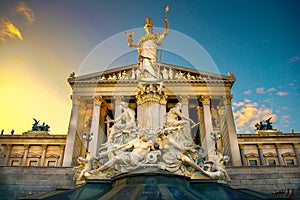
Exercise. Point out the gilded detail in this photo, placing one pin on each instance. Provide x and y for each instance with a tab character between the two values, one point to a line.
205	100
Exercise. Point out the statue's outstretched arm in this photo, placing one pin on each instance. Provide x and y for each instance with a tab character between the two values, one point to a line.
130	40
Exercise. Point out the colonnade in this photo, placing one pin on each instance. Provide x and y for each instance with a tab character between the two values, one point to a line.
227	126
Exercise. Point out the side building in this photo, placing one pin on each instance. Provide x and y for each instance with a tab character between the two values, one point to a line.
32	148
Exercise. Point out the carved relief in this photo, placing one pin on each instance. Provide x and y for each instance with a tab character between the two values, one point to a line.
227	99
151	92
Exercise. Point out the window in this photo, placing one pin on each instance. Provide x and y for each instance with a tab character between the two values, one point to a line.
33	163
51	163
289	162
271	162
15	163
253	162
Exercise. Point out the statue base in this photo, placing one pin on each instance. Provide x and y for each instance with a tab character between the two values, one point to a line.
156	184
36	133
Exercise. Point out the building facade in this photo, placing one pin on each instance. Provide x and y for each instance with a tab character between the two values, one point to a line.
269	147
32	149
205	98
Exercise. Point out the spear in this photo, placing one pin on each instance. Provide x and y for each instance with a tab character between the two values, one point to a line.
166	16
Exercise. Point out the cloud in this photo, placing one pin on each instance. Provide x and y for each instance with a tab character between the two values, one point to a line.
260	90
26	11
282	93
294	59
248	113
9	30
248	92
271	89
285	121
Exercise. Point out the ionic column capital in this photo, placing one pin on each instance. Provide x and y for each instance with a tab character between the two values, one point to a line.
260	146
44	146
75	100
227	99
205	100
26	146
184	99
98	100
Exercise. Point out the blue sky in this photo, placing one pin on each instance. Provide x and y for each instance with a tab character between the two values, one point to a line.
256	40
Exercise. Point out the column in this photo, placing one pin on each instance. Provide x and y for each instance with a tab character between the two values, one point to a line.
297	152
61	154
118	100
93	145
280	159
68	156
139	112
7	155
184	100
201	125
24	159
234	148
44	148
242	152
208	144
260	153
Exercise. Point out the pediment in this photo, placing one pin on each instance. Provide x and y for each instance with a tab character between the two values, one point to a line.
52	155
33	155
168	72
270	154
16	155
252	155
288	154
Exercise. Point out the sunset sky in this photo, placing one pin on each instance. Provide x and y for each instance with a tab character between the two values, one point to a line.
42	42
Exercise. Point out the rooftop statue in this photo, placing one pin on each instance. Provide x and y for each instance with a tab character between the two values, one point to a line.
147	48
264	126
37	127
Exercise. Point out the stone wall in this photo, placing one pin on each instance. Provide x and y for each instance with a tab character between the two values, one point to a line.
267	178
22	181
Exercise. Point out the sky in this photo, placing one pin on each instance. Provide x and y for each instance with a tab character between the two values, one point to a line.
42	42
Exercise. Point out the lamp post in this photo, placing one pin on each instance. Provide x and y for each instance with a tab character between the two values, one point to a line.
215	137
87	137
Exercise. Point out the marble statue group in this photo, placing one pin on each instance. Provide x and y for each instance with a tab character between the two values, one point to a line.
168	146
129	147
